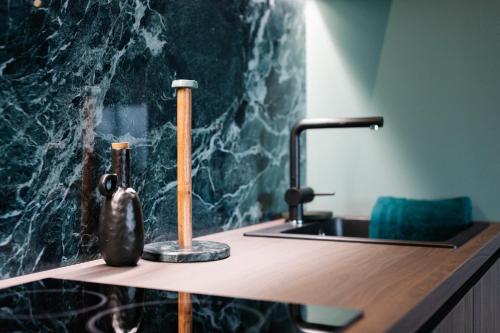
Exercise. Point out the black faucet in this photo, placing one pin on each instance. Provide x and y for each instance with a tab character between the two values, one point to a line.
295	196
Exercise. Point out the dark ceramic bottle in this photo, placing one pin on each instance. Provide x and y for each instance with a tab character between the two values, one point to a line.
121	223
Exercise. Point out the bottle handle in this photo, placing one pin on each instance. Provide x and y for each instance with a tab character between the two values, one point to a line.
108	184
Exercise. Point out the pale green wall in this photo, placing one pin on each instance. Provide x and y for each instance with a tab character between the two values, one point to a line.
432	69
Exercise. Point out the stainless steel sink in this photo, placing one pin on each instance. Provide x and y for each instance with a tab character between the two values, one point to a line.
349	229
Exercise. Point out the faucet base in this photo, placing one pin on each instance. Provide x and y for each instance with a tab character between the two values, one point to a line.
311	216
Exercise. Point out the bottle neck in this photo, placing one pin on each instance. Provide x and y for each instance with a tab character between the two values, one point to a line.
120	163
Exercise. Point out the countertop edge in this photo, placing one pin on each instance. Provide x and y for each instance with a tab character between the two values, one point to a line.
430	304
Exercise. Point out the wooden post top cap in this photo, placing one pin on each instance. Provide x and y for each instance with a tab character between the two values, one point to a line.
119	145
185	84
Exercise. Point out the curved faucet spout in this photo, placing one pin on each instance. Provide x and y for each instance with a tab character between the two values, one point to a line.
295	213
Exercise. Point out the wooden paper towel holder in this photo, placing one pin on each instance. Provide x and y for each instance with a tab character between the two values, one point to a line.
185	249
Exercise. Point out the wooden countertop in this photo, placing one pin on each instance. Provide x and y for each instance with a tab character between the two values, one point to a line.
401	285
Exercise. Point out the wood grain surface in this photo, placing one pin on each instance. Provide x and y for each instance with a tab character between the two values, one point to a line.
184	187
395	286
487	302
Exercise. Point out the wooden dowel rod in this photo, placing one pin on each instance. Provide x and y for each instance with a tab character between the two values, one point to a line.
184	187
185	313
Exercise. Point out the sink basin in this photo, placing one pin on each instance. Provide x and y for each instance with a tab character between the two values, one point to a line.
349	229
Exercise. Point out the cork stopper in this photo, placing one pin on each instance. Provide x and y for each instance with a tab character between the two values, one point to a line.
119	145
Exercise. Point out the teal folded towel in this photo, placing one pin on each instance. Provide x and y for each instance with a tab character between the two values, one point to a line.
425	220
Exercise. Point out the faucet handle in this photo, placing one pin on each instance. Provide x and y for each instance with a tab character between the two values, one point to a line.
324	194
296	196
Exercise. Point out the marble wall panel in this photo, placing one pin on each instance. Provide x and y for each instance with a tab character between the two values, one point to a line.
78	75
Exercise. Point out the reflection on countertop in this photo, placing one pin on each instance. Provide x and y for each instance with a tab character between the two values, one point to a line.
64	305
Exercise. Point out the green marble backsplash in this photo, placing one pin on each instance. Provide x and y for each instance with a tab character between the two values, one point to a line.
78	75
